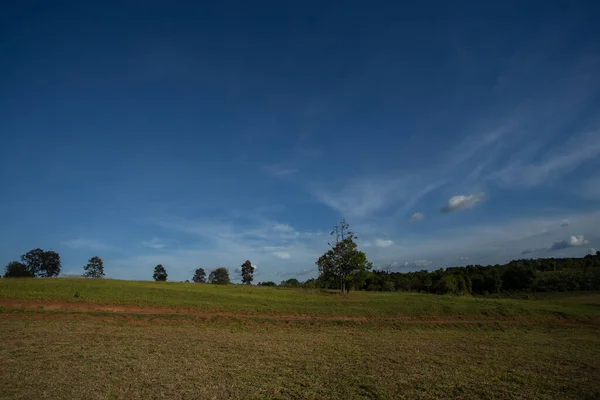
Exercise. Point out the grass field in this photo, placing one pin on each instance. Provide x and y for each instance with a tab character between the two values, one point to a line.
107	339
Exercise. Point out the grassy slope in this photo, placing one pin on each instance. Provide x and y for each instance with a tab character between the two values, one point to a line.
261	353
264	300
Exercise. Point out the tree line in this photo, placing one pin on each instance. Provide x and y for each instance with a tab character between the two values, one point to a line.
343	267
47	264
537	275
218	276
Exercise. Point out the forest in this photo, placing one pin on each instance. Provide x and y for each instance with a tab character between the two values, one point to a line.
526	275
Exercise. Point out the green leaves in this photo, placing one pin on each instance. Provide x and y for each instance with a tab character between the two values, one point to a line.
247	272
94	268
219	276
344	263
160	273
15	269
199	276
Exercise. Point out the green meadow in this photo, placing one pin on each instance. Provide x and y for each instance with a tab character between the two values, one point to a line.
111	339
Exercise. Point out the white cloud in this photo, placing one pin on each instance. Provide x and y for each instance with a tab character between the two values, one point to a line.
573	241
592	251
284	255
156	243
486	242
461	202
360	197
564	223
577	240
383	242
89	244
366	196
417	216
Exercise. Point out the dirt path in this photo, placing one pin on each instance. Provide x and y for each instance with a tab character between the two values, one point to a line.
53	309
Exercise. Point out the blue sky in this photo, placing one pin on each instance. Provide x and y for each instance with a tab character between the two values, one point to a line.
205	135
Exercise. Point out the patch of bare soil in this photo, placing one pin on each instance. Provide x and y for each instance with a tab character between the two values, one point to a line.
49	309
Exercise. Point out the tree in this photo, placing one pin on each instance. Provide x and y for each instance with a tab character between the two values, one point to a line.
199	276
291	283
15	269
343	261
247	270
42	263
160	273
94	268
219	276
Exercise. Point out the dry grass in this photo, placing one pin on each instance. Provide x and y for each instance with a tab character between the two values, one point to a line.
88	348
79	356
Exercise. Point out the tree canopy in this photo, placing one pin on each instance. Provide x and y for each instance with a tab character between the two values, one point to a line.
42	263
160	273
15	269
199	276
247	270
219	276
343	263
94	268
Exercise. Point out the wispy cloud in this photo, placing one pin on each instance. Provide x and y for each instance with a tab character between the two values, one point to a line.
461	202
591	188
383	243
417	217
306	271
360	197
366	197
553	164
529	251
284	255
88	244
157	243
279	171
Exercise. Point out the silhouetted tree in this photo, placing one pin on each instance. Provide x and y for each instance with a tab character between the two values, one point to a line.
15	269
219	276
94	268
160	273
247	271
42	263
199	276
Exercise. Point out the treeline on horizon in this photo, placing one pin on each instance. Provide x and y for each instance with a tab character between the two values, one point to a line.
539	275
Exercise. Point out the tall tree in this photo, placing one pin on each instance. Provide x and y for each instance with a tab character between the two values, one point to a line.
42	263
94	268
343	261
160	273
219	276
199	276
15	269
247	272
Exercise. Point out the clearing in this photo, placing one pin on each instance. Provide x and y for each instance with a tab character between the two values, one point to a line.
108	339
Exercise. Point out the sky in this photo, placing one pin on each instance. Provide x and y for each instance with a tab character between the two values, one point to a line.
202	135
